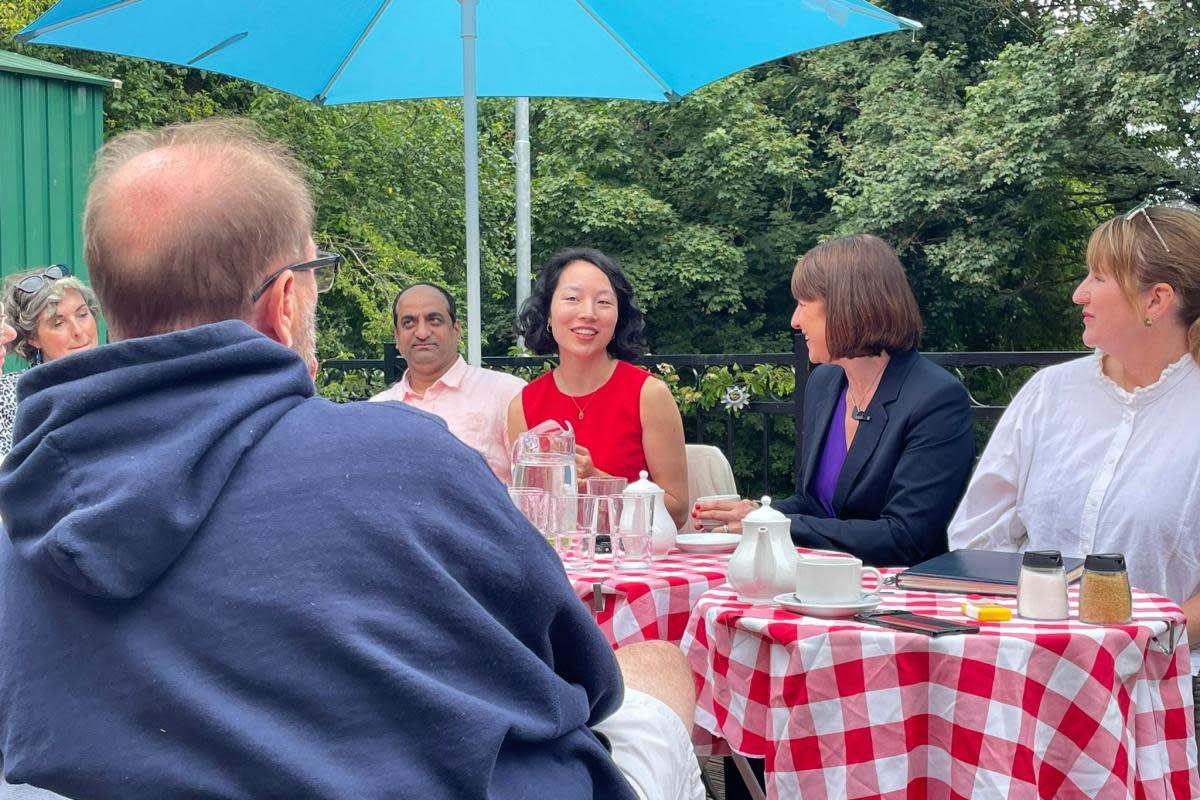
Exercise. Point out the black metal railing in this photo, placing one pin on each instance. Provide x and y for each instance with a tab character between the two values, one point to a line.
991	378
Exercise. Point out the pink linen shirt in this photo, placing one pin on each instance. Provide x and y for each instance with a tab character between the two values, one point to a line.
474	403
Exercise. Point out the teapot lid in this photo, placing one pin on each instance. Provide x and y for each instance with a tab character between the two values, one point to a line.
643	485
764	513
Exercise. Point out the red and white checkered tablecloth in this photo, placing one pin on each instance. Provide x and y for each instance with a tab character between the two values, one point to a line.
841	709
653	603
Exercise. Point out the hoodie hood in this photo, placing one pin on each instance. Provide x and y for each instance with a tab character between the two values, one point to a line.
120	452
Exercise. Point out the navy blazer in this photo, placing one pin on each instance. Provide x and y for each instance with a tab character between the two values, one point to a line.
904	473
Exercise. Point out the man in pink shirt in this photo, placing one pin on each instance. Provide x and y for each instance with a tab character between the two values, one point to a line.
473	401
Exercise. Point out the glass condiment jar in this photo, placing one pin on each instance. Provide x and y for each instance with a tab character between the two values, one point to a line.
1042	586
1104	594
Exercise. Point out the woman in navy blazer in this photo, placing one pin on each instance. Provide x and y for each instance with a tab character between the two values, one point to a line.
887	437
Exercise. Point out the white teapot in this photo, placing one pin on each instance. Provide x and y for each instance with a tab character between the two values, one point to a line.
765	561
662	527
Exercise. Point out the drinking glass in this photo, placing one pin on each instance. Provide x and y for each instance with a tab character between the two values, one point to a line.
605	486
707	524
573	520
632	534
531	502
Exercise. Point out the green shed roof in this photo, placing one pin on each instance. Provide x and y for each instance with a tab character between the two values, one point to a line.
14	62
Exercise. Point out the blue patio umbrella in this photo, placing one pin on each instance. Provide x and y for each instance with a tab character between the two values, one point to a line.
356	51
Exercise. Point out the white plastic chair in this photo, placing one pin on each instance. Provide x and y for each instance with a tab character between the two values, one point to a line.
708	472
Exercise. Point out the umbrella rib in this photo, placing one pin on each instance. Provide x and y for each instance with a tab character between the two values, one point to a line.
324	93
237	37
670	93
33	34
875	13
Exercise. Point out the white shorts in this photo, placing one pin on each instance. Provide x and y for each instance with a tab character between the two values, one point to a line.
652	749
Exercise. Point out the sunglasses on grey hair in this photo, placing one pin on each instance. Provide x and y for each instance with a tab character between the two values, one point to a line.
324	268
53	272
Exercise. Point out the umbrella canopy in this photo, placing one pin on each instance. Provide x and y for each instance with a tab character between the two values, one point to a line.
364	50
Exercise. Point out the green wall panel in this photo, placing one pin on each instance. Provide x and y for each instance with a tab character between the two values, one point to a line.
12	173
35	136
50	129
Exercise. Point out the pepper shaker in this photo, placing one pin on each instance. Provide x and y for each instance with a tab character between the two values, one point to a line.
1042	586
1104	594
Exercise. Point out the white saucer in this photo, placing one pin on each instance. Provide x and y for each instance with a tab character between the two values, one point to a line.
707	542
791	602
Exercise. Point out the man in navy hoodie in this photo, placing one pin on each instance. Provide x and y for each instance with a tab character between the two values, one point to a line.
215	584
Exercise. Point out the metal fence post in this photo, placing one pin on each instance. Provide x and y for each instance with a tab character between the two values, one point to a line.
803	367
390	354
766	453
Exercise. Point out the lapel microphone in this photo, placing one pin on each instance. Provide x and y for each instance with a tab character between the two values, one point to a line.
857	414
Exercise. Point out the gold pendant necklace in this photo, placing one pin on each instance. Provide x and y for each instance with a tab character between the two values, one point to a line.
589	398
584	407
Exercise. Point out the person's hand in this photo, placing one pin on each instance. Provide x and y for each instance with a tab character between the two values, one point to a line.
728	513
584	468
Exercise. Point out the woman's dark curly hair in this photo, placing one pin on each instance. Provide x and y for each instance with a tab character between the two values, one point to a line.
628	340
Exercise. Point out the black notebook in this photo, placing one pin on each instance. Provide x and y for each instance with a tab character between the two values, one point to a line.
974	572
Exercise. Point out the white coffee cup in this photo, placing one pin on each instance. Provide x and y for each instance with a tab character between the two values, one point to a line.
832	579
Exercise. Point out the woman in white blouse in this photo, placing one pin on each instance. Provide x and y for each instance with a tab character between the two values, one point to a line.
1102	454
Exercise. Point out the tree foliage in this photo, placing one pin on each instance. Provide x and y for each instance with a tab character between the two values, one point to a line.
985	148
386	177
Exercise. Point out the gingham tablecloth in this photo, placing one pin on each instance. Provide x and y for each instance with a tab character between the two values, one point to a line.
841	709
652	603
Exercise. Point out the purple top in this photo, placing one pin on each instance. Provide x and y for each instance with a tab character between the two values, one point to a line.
833	455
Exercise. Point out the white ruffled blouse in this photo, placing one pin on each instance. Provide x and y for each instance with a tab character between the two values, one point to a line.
1080	465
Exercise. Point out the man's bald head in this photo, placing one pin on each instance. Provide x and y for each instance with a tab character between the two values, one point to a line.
183	222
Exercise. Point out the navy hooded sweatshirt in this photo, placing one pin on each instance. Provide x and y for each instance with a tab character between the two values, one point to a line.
214	584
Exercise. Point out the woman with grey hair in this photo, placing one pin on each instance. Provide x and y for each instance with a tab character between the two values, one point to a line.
54	315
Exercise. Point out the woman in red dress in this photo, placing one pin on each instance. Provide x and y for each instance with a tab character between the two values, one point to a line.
625	419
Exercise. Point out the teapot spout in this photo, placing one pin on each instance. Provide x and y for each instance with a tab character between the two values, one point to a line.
764	557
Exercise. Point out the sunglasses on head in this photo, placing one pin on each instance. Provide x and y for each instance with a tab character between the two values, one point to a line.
1143	209
53	272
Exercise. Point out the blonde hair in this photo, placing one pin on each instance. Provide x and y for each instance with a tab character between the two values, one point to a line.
23	310
183	222
1129	250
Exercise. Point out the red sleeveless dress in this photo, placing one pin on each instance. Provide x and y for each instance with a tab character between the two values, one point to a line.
611	428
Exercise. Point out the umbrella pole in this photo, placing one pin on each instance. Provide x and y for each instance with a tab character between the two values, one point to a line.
521	147
471	154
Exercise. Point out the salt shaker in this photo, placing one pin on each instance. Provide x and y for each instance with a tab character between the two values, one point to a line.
1042	586
1104	594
